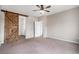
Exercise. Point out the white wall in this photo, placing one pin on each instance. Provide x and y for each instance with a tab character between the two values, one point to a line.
1	26
64	25
22	25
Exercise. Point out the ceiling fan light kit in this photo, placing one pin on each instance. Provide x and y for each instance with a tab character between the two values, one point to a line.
42	9
42	12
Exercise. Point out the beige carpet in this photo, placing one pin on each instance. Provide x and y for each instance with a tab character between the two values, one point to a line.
39	46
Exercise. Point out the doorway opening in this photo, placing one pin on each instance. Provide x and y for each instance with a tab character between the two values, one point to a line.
38	28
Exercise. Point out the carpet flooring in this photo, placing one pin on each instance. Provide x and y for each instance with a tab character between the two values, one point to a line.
39	46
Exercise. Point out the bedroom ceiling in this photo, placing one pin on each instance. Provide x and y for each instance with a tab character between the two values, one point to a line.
27	9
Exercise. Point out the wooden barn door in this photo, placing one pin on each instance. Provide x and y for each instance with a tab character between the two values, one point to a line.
11	27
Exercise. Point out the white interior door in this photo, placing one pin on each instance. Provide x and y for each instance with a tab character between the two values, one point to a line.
38	28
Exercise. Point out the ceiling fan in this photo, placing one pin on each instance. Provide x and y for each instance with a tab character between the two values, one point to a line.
42	8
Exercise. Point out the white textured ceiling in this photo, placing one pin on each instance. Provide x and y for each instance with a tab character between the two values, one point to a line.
27	9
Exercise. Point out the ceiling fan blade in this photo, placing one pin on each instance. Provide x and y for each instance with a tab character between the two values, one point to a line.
46	10
35	10
38	6
48	6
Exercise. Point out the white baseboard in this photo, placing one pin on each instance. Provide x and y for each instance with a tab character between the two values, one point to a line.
65	40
